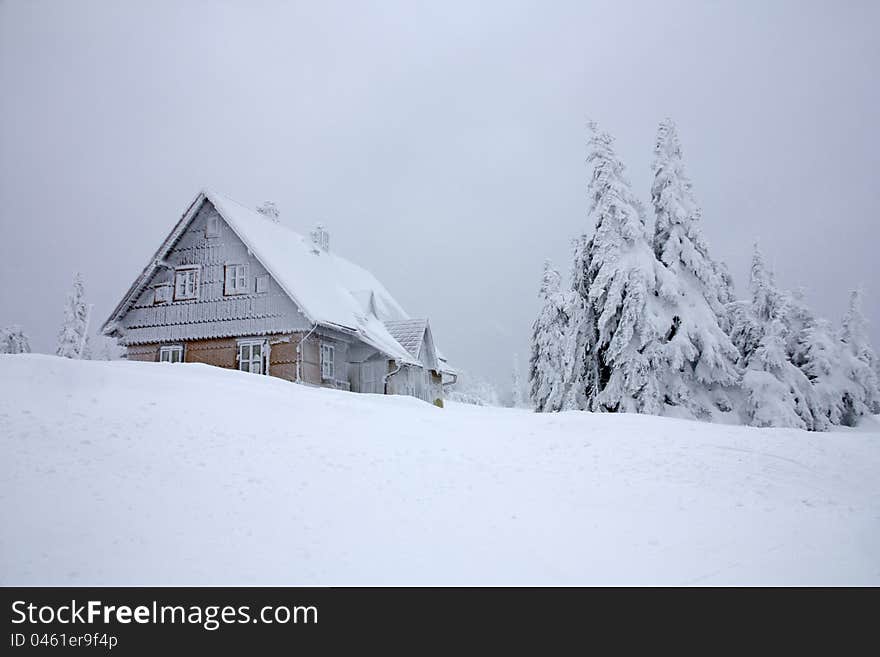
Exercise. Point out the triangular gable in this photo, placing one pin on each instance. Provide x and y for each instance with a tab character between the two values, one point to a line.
428	352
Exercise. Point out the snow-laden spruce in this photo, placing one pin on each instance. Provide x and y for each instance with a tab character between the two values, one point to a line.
818	355
777	393
622	274
862	395
699	356
14	341
547	360
581	373
72	337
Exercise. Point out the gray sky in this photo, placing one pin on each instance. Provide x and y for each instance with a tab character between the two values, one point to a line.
442	143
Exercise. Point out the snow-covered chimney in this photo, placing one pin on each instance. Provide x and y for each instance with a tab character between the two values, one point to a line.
320	239
269	210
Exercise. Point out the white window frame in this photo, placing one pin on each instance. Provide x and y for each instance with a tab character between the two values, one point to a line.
328	365
262	284
246	359
167	353
190	288
235	279
212	226
162	293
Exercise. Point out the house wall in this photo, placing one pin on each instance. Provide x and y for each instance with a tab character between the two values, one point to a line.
417	382
223	352
213	314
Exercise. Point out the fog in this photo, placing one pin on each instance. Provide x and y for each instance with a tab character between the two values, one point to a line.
443	144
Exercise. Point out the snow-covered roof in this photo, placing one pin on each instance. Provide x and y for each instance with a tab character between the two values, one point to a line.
409	333
330	290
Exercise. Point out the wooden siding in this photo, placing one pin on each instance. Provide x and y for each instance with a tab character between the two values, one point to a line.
415	381
145	353
214	314
223	352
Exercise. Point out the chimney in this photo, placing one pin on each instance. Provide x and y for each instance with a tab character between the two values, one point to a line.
320	239
269	210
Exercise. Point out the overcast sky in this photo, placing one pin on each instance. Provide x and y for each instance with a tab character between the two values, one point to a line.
442	143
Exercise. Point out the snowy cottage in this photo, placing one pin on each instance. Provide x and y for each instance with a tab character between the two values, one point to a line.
230	287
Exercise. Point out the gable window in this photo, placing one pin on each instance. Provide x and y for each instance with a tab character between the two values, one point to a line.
328	362
235	280
171	354
262	284
186	283
162	293
252	356
212	227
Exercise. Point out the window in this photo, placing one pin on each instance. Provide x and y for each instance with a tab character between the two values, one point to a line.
212	228
171	354
186	283
252	356
236	279
262	284
328	366
162	293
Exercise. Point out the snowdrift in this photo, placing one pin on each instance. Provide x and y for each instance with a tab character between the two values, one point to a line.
143	473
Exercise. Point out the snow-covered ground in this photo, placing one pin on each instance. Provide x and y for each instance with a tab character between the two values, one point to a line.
142	473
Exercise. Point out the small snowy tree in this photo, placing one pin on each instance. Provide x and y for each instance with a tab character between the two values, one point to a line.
269	210
778	393
516	386
547	361
773	399
862	395
819	358
14	341
700	358
72	337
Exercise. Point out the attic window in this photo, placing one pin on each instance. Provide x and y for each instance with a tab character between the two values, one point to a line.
186	283
262	284
212	228
235	280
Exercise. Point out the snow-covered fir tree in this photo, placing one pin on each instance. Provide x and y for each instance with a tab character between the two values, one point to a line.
700	358
621	271
862	395
14	341
581	369
678	236
516	386
777	392
818	355
270	210
72	337
547	360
